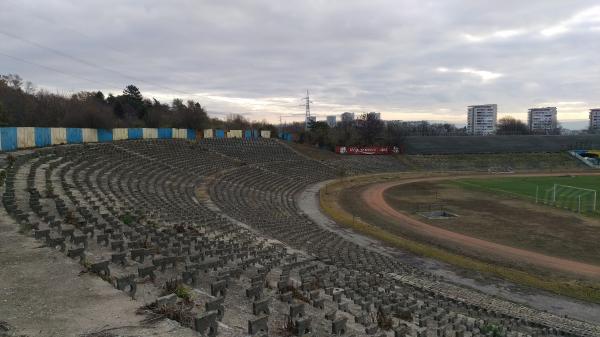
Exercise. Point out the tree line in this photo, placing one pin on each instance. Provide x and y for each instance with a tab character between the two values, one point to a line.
22	105
370	130
367	130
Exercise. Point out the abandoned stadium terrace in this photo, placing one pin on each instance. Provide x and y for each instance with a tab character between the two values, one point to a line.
220	217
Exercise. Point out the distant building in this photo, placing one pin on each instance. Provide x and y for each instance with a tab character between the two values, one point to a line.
481	119
331	121
376	114
542	120
348	117
595	119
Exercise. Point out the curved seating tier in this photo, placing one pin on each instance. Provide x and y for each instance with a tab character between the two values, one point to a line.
132	212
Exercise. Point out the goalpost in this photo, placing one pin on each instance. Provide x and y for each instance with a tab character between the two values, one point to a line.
571	197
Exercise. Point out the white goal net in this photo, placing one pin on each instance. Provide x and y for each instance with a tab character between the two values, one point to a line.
582	200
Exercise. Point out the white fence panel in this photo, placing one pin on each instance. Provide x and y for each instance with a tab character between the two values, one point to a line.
265	133
208	133
120	134
179	133
58	136
234	134
25	137
89	135
150	133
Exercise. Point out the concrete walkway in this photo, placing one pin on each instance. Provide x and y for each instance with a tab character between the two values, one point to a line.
44	293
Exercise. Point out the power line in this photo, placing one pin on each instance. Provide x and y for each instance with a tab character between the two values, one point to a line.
93	65
89	64
104	45
54	69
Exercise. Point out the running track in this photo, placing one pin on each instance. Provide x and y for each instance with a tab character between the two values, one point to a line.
373	197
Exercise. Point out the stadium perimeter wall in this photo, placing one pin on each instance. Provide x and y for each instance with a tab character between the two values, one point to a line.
497	144
15	138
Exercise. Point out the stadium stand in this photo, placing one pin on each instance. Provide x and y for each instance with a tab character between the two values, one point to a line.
369	164
497	144
589	157
132	212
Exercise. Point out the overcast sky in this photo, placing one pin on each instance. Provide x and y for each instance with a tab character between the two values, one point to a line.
409	60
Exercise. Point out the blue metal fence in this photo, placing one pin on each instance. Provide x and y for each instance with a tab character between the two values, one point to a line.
191	134
12	138
105	135
74	136
165	133
8	139
43	137
135	133
286	136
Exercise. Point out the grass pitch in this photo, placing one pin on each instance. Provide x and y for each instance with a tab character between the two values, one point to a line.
541	189
526	186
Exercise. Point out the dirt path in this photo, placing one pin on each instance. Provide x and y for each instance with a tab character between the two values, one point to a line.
374	198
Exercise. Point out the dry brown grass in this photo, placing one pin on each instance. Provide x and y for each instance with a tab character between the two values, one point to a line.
584	290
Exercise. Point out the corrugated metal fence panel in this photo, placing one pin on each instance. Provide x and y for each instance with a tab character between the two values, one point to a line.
58	136
248	134
265	134
180	133
165	133
191	134
150	133
135	133
120	134
234	134
255	134
25	137
219	134
208	133
74	135
285	136
90	135
105	135
8	138
42	137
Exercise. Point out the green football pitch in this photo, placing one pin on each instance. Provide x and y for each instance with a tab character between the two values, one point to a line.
543	189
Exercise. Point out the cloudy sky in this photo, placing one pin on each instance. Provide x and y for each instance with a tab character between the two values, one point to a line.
408	59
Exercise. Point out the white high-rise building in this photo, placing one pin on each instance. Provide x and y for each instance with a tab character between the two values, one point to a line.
331	121
542	120
595	119
481	119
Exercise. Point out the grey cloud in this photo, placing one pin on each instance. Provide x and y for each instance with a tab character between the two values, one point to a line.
375	55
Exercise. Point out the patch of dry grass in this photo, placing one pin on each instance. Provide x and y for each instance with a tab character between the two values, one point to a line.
584	290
